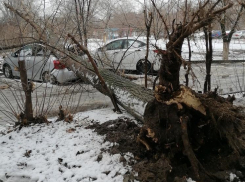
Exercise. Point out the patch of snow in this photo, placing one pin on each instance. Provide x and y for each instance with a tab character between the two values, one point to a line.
232	176
190	180
2	129
52	153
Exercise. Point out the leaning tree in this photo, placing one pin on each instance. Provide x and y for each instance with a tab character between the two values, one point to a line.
176	120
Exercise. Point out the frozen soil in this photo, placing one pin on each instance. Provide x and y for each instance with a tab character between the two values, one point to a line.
218	161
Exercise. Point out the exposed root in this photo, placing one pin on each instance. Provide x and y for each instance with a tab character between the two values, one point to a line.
141	138
226	120
191	123
187	147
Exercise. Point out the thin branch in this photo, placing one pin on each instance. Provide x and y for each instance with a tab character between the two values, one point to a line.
164	22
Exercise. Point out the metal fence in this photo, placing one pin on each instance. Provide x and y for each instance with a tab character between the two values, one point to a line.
227	76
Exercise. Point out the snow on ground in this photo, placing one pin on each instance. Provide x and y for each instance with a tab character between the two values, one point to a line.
51	152
64	151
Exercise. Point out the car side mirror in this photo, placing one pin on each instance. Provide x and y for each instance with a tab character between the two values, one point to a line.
14	54
102	49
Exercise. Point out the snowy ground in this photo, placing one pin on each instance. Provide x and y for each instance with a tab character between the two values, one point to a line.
61	152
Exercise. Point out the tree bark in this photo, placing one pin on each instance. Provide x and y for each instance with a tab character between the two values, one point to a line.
227	37
27	89
209	59
226	48
171	62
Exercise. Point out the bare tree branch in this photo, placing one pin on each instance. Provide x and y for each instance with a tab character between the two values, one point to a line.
85	50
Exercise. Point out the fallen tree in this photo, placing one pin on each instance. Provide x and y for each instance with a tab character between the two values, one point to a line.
132	97
177	121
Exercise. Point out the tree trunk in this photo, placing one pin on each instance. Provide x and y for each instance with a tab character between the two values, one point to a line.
28	113
226	48
209	59
171	62
132	97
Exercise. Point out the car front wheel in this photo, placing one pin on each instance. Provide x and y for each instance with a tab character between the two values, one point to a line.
46	76
7	71
53	80
140	66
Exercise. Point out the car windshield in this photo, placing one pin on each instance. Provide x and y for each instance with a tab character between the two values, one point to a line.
26	51
32	50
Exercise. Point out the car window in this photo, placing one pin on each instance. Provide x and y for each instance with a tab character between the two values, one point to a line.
118	44
38	50
25	51
134	44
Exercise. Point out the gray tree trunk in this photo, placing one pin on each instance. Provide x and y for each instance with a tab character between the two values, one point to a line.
28	90
226	49
131	96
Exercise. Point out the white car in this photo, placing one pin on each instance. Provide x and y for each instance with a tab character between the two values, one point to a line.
239	34
199	35
127	54
1	63
40	65
61	74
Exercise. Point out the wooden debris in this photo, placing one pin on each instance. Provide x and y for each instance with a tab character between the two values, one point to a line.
2	87
64	115
184	96
71	130
68	118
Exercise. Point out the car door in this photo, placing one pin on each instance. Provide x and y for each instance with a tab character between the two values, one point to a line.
132	52
25	54
109	54
37	62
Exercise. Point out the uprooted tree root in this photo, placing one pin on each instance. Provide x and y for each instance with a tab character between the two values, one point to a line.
177	143
195	125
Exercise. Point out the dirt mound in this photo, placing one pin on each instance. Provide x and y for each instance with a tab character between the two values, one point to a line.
217	159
